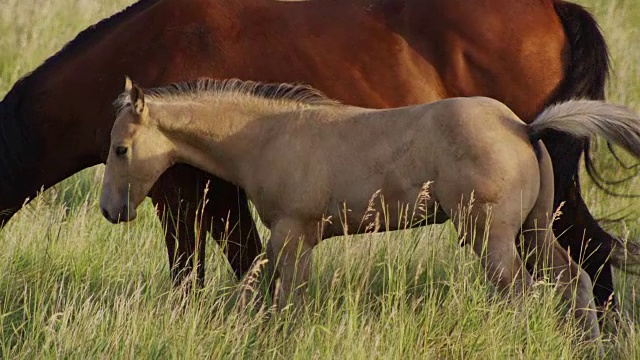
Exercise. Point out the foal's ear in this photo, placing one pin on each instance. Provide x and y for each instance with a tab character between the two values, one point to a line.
127	84
137	99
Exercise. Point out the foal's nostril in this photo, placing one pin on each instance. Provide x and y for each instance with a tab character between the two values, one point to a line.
106	215
124	213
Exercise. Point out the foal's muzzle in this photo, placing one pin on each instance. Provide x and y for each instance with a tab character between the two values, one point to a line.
123	215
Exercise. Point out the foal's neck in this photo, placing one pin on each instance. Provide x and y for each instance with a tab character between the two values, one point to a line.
218	134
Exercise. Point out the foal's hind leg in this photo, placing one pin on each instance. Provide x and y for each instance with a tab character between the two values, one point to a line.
493	242
500	258
590	245
574	283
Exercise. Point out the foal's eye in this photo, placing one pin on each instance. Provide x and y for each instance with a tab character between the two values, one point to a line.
121	151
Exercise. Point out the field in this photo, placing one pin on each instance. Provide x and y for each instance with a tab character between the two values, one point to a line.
74	286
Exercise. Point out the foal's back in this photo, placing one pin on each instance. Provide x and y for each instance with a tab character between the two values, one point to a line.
341	155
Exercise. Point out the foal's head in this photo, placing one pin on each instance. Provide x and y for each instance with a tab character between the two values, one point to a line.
138	155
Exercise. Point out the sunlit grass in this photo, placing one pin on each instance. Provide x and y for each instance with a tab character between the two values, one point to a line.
73	285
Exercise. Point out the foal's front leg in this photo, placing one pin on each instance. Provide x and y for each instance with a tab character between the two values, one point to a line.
290	250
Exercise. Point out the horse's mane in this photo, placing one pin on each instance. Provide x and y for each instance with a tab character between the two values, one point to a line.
16	141
81	40
298	93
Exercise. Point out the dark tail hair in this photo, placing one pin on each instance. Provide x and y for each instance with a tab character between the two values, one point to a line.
585	77
588	69
582	119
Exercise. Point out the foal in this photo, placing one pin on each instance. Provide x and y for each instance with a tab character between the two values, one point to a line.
303	158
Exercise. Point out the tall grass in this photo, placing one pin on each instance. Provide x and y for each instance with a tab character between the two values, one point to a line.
72	285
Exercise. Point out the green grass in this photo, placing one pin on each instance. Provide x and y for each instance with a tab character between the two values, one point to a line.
72	285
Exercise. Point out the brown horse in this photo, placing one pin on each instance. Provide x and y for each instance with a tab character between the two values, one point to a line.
313	178
370	53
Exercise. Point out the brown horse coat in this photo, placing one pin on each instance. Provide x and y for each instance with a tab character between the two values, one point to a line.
369	53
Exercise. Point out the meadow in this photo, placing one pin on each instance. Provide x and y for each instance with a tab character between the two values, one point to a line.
74	286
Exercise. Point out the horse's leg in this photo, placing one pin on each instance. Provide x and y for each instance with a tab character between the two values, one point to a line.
178	196
290	249
178	236
232	225
577	230
174	196
588	244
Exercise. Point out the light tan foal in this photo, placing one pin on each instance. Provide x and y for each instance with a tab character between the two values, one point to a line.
302	159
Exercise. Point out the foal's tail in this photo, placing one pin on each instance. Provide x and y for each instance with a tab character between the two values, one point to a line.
586	118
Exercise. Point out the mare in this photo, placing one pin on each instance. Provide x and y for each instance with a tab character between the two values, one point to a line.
372	53
323	160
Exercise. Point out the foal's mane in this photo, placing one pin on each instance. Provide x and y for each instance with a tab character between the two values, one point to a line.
206	87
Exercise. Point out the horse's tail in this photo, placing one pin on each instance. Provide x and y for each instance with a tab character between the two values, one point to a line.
588	67
583	119
586	73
